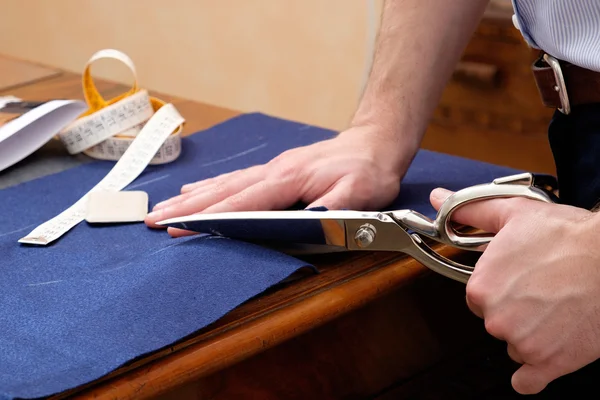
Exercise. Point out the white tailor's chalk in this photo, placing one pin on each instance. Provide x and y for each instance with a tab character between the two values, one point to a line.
114	207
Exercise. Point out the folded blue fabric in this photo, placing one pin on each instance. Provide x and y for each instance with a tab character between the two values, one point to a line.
101	296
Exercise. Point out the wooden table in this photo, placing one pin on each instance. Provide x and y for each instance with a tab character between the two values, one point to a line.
15	73
369	326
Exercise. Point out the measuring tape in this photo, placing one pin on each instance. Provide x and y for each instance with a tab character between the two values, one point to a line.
133	128
108	128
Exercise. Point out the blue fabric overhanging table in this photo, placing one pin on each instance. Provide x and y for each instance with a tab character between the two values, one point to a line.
102	296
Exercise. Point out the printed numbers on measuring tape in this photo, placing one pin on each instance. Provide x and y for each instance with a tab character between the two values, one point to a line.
121	116
134	129
108	128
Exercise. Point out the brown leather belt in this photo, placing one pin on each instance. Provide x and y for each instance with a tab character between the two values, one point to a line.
563	85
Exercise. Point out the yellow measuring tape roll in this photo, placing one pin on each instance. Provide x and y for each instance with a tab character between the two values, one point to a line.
133	128
107	128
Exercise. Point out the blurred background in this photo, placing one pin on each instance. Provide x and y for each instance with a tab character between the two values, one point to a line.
301	60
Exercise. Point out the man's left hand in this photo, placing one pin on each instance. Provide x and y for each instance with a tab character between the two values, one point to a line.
537	284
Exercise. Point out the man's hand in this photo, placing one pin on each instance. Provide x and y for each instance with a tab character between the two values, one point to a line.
537	284
361	168
354	170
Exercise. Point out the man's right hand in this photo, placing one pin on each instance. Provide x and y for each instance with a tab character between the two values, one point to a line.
355	170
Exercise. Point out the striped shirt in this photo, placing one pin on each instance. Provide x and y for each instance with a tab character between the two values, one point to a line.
566	29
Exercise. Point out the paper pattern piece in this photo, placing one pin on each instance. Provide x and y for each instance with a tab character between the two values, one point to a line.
21	136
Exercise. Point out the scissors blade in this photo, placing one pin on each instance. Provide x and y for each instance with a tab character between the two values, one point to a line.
313	232
331	228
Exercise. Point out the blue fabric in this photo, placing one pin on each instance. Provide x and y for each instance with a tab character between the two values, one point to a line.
101	296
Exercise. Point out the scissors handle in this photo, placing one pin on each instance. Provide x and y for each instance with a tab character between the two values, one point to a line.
436	262
527	185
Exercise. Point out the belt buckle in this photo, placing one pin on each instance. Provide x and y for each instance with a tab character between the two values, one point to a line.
560	86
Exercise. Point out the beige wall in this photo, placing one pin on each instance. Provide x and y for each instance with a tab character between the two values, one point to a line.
298	59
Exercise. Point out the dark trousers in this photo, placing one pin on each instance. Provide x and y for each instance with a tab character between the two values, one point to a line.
575	143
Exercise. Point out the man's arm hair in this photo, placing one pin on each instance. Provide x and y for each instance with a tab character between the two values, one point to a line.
418	46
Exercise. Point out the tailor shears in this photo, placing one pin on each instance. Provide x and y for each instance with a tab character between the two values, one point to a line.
311	232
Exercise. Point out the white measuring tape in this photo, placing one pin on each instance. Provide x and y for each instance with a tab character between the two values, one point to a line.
134	129
107	129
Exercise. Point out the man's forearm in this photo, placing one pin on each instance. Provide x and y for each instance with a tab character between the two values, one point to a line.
418	45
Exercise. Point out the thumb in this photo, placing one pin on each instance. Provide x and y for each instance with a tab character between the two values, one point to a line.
529	379
489	215
338	198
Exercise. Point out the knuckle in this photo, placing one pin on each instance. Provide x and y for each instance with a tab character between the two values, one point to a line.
284	171
283	157
495	327
475	292
513	354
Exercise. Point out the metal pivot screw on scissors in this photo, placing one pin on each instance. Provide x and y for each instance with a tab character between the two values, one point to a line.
308	232
365	235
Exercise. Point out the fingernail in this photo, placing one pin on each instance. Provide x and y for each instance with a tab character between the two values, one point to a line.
159	205
155	215
440	193
186	187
